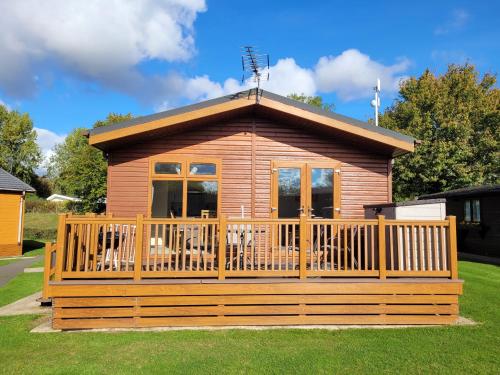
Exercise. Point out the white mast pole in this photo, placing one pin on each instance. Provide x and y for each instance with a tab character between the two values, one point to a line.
376	103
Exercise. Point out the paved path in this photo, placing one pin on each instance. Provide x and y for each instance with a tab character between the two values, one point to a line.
26	305
11	270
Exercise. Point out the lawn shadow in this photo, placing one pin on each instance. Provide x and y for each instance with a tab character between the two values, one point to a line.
29	245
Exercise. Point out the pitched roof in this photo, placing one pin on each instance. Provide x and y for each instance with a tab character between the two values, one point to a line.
103	136
11	183
464	192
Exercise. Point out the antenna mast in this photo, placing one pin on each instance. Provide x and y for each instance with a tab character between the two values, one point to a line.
375	103
255	66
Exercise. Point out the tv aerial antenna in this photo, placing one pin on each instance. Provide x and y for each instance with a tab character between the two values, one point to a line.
375	103
255	66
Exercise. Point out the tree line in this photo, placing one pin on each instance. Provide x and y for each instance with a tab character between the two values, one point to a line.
454	116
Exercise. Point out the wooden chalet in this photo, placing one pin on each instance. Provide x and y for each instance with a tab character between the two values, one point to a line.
248	210
12	198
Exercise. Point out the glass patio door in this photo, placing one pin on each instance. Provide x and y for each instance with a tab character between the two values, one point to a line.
323	190
289	184
312	188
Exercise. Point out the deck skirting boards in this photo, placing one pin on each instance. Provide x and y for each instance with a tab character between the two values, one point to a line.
234	304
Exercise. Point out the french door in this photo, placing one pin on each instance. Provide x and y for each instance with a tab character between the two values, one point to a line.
312	188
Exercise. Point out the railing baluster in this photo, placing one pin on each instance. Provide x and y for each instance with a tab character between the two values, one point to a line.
303	246
138	247
381	247
452	246
222	247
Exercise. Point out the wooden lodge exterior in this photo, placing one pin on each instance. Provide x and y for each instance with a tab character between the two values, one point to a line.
249	210
12	196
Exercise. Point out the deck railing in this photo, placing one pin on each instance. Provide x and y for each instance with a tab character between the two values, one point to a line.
97	247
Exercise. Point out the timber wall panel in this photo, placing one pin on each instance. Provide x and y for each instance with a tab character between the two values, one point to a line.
364	174
250	303
9	223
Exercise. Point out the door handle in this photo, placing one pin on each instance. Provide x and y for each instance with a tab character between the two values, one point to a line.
301	210
273	209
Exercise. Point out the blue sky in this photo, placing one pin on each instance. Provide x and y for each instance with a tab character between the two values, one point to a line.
70	63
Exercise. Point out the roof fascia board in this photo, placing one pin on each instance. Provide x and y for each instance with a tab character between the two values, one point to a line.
336	124
235	104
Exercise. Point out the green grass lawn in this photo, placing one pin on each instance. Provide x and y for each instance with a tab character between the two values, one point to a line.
442	350
20	286
40	220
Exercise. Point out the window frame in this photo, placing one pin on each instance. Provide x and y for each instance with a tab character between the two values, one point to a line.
470	203
184	177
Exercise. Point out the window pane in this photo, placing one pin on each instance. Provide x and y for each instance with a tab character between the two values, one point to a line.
202	196
202	169
167	199
322	192
168	168
288	192
476	211
467	213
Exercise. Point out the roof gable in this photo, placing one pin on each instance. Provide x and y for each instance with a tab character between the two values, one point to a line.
104	137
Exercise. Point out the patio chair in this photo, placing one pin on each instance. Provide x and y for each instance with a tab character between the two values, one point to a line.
195	243
238	237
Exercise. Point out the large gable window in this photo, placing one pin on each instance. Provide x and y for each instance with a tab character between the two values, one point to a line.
184	188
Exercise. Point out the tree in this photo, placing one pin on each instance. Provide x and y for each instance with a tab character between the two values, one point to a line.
79	169
19	152
456	116
316	101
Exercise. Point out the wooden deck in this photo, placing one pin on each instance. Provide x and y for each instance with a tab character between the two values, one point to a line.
212	272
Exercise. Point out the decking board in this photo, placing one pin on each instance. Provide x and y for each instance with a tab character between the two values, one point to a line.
247	302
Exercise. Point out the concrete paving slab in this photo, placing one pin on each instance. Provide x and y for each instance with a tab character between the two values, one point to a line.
45	327
25	306
33	270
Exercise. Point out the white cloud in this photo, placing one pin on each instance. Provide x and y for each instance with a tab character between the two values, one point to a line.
46	140
352	74
101	41
108	43
458	19
287	77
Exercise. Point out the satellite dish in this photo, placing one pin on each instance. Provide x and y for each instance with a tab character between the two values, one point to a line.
375	102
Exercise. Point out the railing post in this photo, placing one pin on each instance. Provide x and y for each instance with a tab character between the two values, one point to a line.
46	270
303	246
61	246
222	247
381	247
139	231
452	246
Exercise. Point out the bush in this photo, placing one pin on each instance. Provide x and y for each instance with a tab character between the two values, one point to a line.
40	234
44	206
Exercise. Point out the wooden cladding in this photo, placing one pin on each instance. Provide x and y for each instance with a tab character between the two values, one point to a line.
245	148
109	247
249	302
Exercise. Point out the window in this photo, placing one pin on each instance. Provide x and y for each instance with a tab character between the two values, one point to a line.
184	188
168	168
207	169
166	199
201	196
472	211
